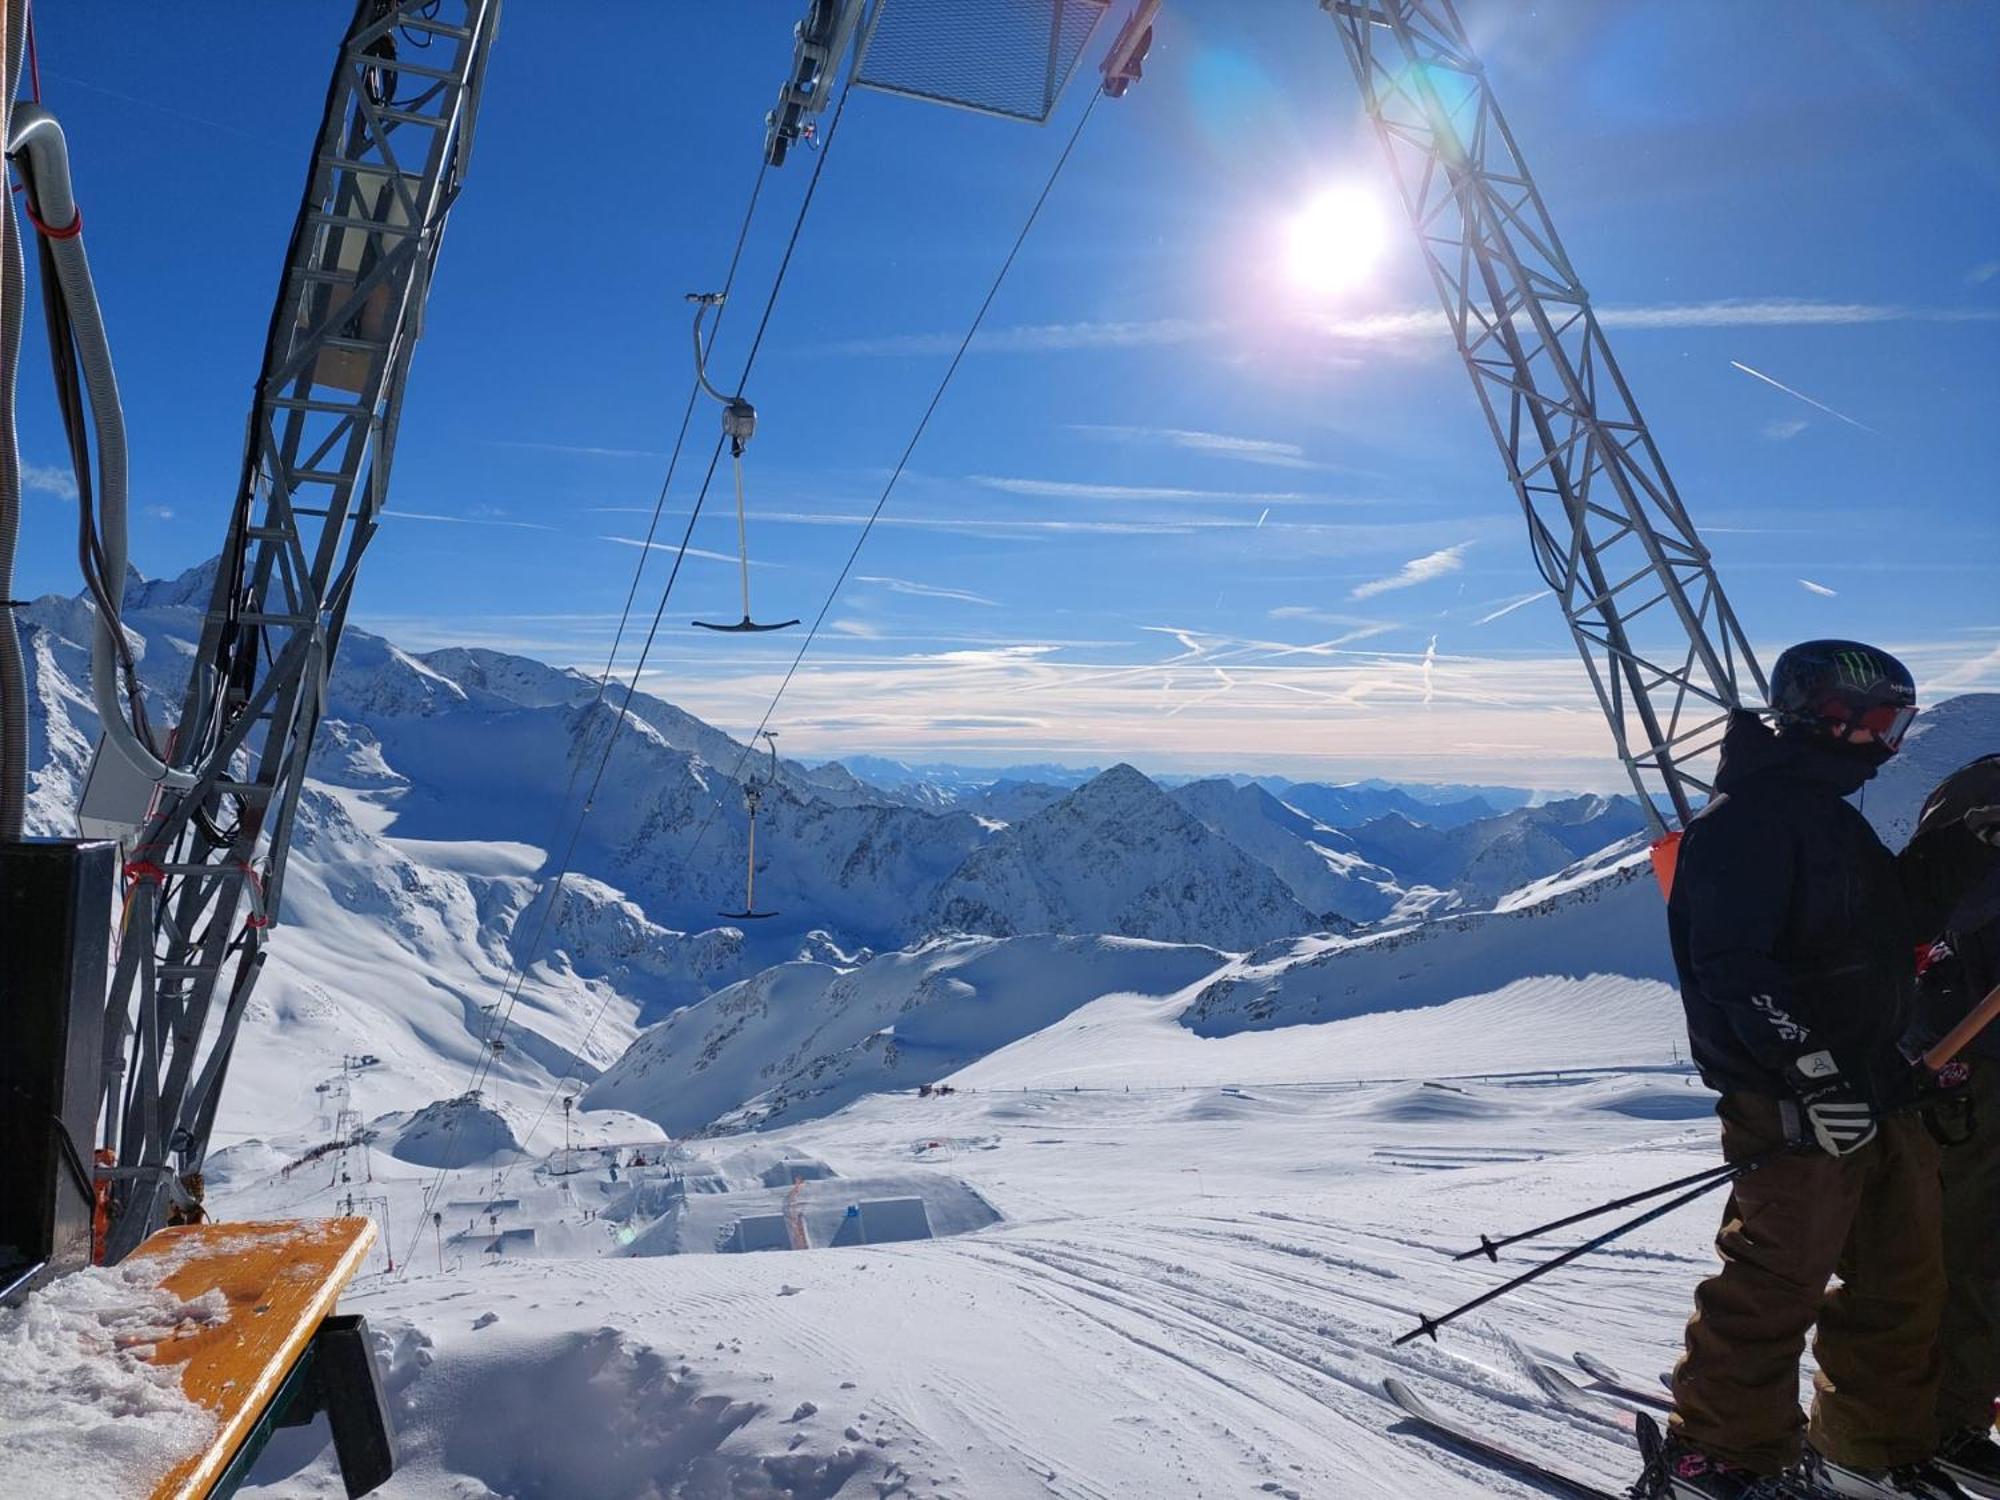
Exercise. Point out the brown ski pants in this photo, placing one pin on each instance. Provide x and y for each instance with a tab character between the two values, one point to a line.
1872	1218
1969	1337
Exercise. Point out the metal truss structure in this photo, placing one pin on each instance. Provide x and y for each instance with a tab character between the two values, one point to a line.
206	876
1663	648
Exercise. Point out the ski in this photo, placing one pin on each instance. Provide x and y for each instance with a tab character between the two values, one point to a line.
1457	1431
1598	1406
1620	1385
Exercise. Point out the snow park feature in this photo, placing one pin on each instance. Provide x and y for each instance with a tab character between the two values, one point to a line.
923	1131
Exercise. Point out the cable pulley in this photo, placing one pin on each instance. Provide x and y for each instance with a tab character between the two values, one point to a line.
739	425
753	796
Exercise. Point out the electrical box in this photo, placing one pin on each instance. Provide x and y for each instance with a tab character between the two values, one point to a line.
117	797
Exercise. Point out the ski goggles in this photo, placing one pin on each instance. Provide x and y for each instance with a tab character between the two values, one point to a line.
1886	722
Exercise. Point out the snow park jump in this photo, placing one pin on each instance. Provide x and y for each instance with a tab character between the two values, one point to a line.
1196	934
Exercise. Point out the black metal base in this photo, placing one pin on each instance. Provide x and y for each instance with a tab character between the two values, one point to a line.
335	1375
55	910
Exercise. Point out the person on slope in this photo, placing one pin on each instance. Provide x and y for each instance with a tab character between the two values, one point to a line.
1793	945
1951	872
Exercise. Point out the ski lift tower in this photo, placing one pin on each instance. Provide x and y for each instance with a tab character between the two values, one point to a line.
1664	650
207	857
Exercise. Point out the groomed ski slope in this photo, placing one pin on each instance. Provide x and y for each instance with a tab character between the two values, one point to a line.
1192	1290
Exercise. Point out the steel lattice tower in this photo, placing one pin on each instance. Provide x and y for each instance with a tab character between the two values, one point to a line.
387	165
1663	648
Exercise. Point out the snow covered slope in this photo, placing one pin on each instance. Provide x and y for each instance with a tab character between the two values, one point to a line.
1485	858
803	1039
1118	856
1600	923
1321	866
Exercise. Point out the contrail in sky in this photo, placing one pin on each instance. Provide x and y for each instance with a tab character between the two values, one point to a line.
1802	396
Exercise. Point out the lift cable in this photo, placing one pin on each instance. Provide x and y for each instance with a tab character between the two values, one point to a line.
923	422
937	396
525	955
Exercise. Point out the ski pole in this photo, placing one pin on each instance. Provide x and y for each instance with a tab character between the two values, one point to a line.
1431	1326
1724	1171
1959	1036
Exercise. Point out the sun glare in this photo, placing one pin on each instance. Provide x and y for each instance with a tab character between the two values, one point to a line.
1336	240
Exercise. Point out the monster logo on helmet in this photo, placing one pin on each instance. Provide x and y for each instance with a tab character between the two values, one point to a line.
1843	691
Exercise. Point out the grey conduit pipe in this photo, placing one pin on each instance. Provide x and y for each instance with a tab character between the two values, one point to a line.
35	135
13	672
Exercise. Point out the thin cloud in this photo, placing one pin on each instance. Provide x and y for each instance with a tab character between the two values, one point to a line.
1315	616
983	526
419	515
1264	451
1065	489
925	590
1391	327
47	479
1783	312
859	629
1417	570
1802	396
701	552
1513	604
1039	338
1785	430
1818	588
1428	670
583	449
1982	273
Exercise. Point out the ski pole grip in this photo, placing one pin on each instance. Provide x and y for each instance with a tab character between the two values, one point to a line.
1961	1035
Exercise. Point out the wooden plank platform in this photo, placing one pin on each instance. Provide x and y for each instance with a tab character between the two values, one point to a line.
281	1280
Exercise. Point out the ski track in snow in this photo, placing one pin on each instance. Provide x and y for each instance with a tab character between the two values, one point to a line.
1174	1305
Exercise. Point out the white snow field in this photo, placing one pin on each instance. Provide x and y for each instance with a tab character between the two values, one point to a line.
1164	1263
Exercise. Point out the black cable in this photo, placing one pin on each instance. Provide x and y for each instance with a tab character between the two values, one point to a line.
523	957
937	396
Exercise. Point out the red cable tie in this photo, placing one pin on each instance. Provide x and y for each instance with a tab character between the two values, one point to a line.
256	918
74	228
144	869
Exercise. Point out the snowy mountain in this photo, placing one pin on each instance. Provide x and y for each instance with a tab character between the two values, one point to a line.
1484	859
802	1040
1351	805
1118	856
1602	921
1321	866
419	905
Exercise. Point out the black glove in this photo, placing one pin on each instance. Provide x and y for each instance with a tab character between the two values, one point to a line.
1839	1116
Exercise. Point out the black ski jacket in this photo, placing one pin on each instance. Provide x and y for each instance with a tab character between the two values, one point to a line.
1953	884
1790	930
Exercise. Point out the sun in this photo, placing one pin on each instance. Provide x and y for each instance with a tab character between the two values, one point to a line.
1336	240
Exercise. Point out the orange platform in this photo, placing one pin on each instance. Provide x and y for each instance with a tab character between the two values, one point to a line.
281	1280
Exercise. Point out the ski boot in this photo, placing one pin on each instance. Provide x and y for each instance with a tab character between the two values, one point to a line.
1677	1471
1925	1481
1972	1459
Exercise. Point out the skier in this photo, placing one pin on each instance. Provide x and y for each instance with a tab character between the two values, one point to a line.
1792	940
1951	871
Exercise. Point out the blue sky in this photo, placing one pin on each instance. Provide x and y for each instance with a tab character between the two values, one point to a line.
1169	465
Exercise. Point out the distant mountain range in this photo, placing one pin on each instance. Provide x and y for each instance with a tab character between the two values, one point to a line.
421	900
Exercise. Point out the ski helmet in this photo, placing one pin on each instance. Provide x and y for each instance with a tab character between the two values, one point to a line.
1968	798
1830	689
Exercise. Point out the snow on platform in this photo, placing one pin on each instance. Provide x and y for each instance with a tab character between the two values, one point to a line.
83	1413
